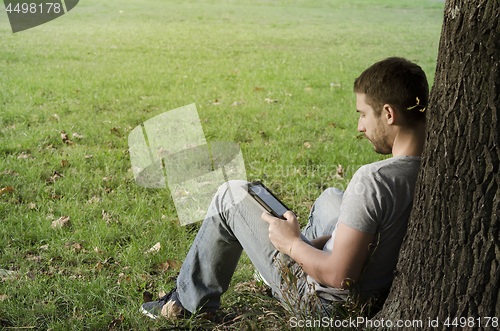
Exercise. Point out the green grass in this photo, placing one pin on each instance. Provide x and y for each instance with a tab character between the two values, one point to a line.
115	64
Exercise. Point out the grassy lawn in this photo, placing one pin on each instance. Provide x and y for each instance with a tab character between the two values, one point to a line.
107	66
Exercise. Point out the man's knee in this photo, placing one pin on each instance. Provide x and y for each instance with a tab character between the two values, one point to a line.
233	190
330	199
234	185
332	193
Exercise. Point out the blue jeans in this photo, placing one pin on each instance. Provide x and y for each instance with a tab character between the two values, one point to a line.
207	270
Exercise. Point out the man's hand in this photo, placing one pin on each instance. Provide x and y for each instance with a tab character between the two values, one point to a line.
283	233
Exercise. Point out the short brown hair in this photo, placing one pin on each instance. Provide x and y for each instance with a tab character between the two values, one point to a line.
399	83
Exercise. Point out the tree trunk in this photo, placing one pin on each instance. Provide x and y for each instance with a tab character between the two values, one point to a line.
449	262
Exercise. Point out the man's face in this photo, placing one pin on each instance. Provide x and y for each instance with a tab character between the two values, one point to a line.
373	126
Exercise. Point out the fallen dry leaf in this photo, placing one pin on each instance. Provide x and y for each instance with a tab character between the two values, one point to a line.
23	155
252	287
147	296
79	136
62	222
11	172
88	156
116	322
170	264
116	130
65	138
64	163
77	247
106	216
7	189
307	145
43	247
31	205
34	258
94	199
340	172
155	248
164	266
56	175
122	277
3	297
97	250
270	100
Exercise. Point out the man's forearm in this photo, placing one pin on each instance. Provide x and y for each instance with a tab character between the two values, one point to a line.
345	261
313	262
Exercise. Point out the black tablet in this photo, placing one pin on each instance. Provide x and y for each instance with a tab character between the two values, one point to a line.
266	199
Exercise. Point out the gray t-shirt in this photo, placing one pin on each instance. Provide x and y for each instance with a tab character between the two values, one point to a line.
378	200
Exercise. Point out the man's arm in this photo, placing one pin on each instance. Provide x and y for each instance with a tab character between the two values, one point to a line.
350	250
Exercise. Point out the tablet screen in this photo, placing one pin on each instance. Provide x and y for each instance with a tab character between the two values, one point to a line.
269	199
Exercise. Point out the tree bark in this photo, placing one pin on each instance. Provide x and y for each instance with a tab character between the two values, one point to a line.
449	261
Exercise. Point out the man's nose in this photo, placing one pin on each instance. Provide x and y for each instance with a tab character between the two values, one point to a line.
361	127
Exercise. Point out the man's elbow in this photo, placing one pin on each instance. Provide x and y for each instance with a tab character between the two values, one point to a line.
339	281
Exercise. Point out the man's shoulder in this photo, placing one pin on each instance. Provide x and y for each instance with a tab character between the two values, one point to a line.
391	166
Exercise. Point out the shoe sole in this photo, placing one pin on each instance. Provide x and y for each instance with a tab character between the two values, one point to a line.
148	314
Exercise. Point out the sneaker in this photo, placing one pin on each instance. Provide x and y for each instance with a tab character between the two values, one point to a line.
168	306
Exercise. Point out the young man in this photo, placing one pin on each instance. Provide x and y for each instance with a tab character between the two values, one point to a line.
337	245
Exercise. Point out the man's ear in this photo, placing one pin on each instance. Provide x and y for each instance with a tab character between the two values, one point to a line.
389	114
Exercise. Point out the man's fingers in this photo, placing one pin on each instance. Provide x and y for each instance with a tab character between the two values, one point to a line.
289	214
266	217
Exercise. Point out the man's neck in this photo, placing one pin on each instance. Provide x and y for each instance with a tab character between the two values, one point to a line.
409	141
